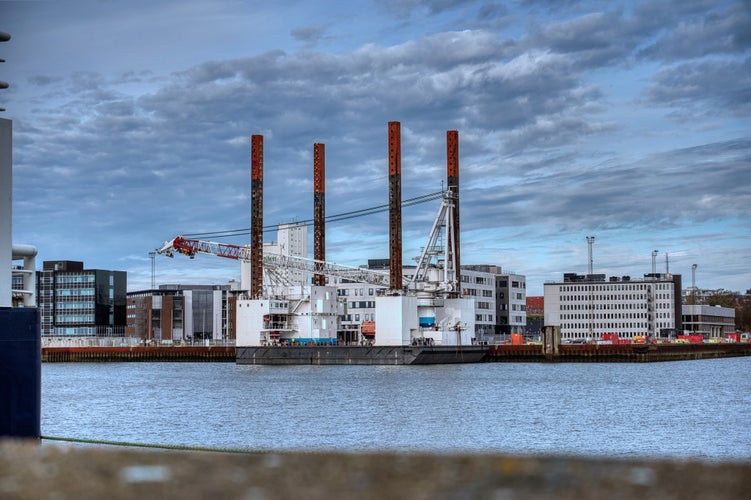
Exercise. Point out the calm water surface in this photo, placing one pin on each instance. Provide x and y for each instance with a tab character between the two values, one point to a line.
692	409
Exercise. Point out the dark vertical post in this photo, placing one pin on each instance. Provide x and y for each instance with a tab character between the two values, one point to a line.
319	209
256	217
20	372
395	206
452	182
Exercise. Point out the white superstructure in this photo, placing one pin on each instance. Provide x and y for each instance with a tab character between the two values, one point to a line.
308	317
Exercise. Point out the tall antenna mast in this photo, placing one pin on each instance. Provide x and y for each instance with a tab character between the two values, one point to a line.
654	262
590	242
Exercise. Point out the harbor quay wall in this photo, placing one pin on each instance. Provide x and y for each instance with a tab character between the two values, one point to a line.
616	353
138	353
33	470
398	355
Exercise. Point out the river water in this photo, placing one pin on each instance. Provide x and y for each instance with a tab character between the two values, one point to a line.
683	409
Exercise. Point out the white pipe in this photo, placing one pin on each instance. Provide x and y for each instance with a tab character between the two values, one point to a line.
21	251
28	253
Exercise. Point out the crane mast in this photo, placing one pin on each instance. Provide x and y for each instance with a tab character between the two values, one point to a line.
443	226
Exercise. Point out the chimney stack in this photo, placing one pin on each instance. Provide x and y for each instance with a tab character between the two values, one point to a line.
319	210
256	217
395	206
452	181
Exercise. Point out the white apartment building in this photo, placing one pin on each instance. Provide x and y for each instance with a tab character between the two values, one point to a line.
587	306
478	281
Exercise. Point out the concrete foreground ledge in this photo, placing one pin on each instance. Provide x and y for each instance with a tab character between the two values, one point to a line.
29	470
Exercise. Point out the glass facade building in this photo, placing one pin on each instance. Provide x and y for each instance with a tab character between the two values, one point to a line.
74	301
182	313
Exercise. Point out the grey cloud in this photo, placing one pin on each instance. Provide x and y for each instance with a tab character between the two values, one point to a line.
43	80
707	87
552	132
558	195
310	35
406	8
714	32
668	12
492	12
438	78
562	5
592	40
659	30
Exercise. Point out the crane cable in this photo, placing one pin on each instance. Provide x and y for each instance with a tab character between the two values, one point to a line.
332	218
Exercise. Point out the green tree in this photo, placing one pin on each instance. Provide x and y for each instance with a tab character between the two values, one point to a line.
723	298
743	312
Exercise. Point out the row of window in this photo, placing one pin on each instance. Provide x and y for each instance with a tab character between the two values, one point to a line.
74	318
600	307
606	327
605	315
584	298
116	331
344	292
616	287
366	304
68	292
627	305
71	279
75	305
479	280
75	330
609	327
356	317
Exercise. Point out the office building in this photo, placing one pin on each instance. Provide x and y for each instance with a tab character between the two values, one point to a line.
183	313
74	301
708	321
587	306
511	303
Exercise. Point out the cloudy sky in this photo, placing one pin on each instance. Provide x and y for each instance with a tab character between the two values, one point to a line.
627	121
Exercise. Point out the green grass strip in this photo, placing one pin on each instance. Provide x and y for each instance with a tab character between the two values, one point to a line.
151	445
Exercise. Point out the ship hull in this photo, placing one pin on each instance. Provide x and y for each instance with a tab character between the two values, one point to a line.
361	355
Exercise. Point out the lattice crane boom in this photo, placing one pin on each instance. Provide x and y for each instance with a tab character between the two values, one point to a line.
275	262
